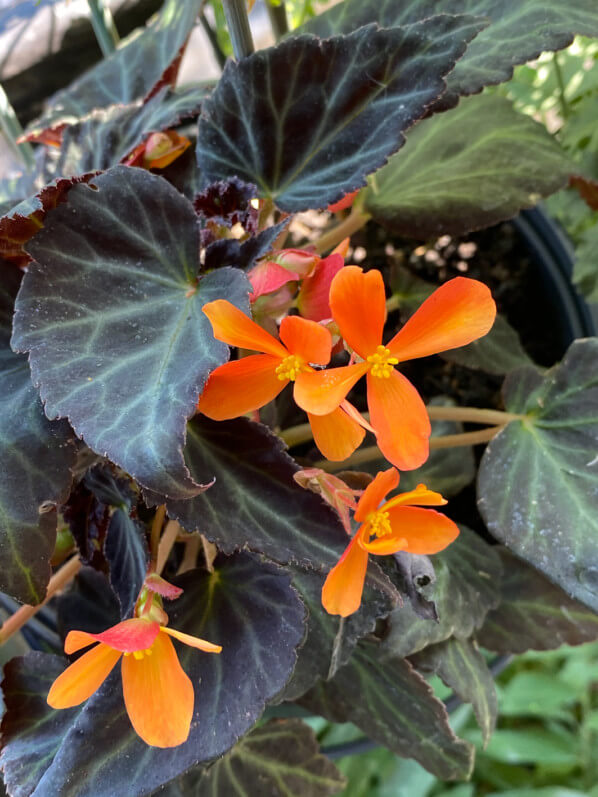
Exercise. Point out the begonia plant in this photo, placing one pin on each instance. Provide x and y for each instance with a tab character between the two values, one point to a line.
200	531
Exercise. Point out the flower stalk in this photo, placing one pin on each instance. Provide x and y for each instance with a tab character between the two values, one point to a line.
237	22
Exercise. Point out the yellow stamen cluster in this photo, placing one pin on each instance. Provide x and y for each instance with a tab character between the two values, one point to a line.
291	367
139	654
378	524
382	363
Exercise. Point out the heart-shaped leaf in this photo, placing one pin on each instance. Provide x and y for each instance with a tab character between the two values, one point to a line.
129	73
280	759
111	315
538	481
307	120
393	704
128	556
518	32
463	668
246	606
467	585
467	169
534	614
254	502
36	457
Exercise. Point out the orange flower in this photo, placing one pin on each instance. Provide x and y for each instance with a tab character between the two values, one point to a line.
158	694
397	525
241	386
457	313
159	150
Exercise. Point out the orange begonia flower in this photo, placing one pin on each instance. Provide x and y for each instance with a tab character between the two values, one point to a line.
241	386
158	151
399	524
158	694
457	313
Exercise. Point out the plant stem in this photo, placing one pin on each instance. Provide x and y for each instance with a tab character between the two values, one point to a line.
171	532
302	433
561	84
157	524
278	18
372	453
237	22
354	221
11	130
103	26
58	581
213	39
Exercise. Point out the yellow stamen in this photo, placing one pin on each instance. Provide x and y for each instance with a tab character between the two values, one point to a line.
138	654
291	367
378	524
382	363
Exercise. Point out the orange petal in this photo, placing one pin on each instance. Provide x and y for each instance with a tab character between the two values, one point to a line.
321	392
460	311
336	434
420	531
158	695
400	419
342	590
241	386
134	634
192	641
307	339
83	677
358	306
235	328
375	492
421	496
354	413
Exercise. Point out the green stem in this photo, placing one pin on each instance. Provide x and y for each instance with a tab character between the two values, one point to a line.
354	221
278	18
103	26
213	39
295	435
561	84
11	130
237	22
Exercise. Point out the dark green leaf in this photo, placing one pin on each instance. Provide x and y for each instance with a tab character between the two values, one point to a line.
330	640
498	352
392	704
249	608
518	32
229	252
105	137
534	614
467	585
280	759
36	457
89	603
467	169
463	668
538	481
26	683
128	556
585	272
307	120
130	73
254	502
112	319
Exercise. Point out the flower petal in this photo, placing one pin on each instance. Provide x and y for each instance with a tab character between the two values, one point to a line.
135	634
235	328
307	339
81	679
421	496
343	588
420	531
241	386
354	413
313	300
336	434
358	306
400	419
321	392
460	311
268	277
192	641
375	492
158	695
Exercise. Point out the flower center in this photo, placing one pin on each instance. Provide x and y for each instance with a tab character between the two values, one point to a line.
378	524
381	362
139	654
291	367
